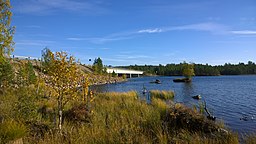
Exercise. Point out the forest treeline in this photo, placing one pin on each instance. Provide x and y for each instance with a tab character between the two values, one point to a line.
200	69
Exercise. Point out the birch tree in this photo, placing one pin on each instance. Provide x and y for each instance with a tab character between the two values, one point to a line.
66	79
6	31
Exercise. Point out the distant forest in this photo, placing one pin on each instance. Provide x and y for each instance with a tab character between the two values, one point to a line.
200	69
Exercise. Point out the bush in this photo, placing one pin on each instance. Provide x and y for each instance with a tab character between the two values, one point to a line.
37	130
26	107
78	114
6	73
181	117
11	130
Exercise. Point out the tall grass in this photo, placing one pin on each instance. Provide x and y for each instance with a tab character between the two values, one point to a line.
11	130
121	118
250	139
165	95
118	118
115	118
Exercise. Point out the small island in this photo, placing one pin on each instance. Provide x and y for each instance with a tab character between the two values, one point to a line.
187	72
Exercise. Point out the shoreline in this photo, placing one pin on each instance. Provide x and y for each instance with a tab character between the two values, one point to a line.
96	80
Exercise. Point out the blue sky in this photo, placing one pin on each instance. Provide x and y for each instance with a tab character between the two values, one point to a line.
128	32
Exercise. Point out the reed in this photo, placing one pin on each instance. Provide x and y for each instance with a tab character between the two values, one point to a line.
165	95
250	139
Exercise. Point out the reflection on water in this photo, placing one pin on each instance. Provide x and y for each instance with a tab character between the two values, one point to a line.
187	92
188	88
228	97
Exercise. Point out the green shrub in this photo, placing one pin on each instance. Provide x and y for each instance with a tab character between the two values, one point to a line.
6	73
11	130
26	107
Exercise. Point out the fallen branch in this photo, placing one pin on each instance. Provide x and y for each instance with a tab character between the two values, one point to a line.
210	116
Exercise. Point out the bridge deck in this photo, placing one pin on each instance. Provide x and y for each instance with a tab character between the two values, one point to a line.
128	72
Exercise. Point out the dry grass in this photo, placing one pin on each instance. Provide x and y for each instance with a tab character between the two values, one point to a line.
165	95
122	118
250	139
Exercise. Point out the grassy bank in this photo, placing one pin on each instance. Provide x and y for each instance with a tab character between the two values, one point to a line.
111	118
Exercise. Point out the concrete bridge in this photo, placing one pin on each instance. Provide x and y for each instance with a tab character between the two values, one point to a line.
127	72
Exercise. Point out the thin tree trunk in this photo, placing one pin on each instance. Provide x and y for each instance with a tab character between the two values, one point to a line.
60	111
60	119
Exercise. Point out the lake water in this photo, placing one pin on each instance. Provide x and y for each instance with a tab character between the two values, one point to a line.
229	98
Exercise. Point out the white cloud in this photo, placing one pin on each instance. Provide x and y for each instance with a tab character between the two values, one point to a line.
49	6
100	40
213	28
244	32
156	30
34	42
210	27
76	39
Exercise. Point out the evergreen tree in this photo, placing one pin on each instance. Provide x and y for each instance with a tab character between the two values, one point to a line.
114	74
30	72
6	74
47	59
98	66
26	75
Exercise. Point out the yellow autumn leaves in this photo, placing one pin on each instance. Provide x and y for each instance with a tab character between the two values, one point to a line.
66	79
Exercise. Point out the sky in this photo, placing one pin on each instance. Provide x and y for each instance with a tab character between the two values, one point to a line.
128	32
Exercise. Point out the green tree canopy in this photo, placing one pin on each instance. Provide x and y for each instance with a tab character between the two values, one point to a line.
6	31
26	75
47	59
6	74
98	66
188	70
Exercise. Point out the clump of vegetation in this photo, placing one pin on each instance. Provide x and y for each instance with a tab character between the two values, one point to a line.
11	130
6	73
98	66
250	139
188	70
165	95
119	95
78	114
